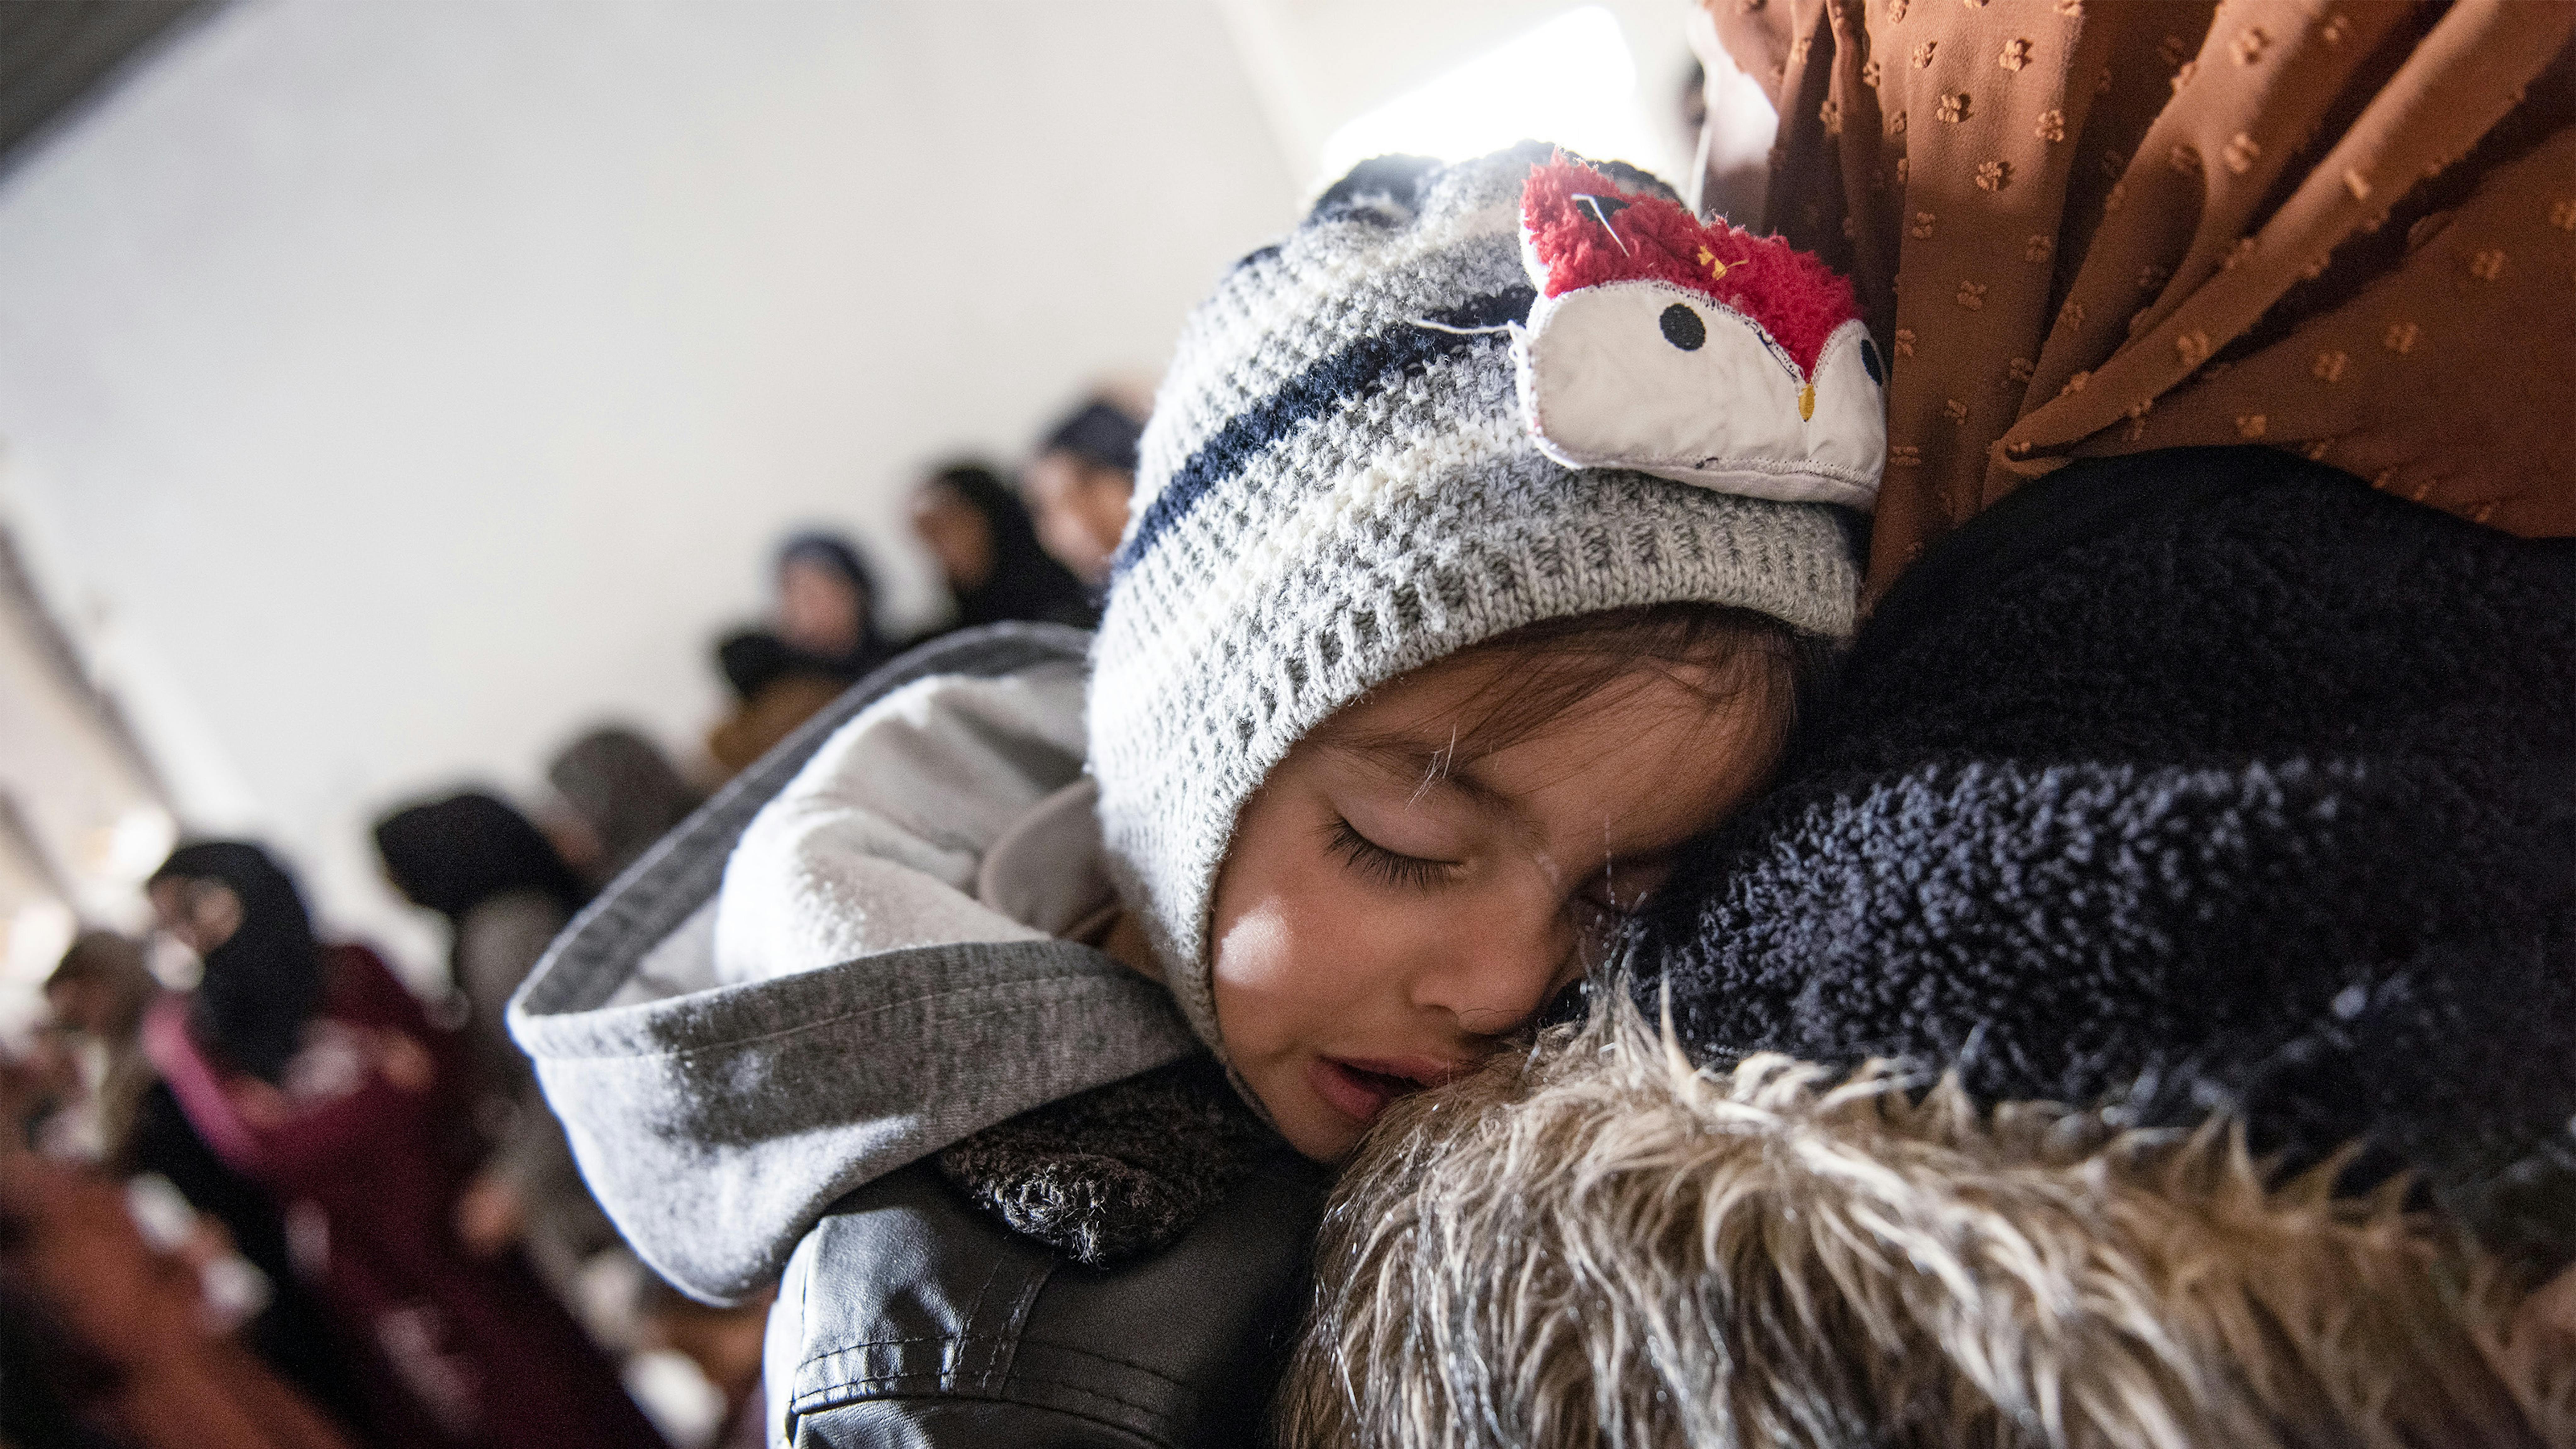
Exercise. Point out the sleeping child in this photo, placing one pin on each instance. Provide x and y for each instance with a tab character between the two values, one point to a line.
1487	530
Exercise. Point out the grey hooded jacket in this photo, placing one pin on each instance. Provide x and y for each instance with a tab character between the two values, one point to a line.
866	1010
758	1033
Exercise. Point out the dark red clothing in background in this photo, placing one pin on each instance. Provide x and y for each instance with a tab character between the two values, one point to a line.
458	1352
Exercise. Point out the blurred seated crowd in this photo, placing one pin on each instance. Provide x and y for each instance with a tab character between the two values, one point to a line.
1039	552
256	1192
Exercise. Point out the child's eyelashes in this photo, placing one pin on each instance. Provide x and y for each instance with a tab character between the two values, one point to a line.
1376	863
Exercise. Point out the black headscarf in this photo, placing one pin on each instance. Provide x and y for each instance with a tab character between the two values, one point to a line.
756	658
826	551
265	981
454	854
1097	433
1026	582
624	790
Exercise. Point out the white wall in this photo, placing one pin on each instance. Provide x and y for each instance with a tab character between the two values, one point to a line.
414	383
1318	63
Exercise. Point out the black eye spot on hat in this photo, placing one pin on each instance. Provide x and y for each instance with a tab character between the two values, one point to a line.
1869	362
1603	208
1682	327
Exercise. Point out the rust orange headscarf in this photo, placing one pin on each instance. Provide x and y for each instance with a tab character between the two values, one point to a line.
2089	227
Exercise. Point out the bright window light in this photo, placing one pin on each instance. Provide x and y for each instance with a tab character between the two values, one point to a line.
1571	81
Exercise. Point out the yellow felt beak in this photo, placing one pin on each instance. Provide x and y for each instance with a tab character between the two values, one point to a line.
1807	403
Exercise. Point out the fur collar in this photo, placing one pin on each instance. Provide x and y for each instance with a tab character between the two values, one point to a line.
1598	1244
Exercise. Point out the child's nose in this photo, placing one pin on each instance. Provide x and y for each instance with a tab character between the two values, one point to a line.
1497	967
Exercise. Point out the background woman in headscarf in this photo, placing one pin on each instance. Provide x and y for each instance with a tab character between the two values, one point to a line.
1079	486
101	991
822	637
620	794
233	906
309	1069
989	554
505	893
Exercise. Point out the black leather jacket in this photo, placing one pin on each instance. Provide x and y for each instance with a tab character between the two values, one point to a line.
910	1317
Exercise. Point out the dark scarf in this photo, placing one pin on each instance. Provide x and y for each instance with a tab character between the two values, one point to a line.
1026	582
754	659
836	555
454	854
2208	779
265	981
1099	434
624	790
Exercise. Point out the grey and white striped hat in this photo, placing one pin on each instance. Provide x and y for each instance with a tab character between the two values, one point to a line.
1337	486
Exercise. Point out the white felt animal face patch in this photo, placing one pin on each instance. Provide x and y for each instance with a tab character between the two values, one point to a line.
1702	354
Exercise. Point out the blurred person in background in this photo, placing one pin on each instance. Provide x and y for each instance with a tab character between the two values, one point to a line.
308	1068
107	1341
49	1389
726	1345
1079	486
988	552
100	992
823	635
51	1110
620	794
505	893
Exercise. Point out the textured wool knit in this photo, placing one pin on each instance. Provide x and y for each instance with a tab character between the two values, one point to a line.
1337	487
2202	779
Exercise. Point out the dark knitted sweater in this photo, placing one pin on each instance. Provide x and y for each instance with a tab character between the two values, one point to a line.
2204	779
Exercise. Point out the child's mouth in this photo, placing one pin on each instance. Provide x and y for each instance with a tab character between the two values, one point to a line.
1361	1088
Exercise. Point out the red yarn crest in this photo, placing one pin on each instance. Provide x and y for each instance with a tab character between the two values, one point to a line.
1585	231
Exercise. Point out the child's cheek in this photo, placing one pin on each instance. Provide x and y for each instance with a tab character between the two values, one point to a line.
1252	957
1261	988
1284	971
1268	1029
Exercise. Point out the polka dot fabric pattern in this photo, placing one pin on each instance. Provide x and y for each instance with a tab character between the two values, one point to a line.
2094	228
1337	488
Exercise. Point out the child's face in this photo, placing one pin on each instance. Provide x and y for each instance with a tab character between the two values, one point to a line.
1389	910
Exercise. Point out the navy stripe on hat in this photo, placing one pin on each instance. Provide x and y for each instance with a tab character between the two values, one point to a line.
1367	367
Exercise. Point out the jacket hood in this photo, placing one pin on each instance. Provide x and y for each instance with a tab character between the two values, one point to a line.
1782	1254
799	991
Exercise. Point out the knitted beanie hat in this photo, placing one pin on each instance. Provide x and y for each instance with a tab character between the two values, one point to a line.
1369	454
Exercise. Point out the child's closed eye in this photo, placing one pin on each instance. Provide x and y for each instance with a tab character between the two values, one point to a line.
1381	866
